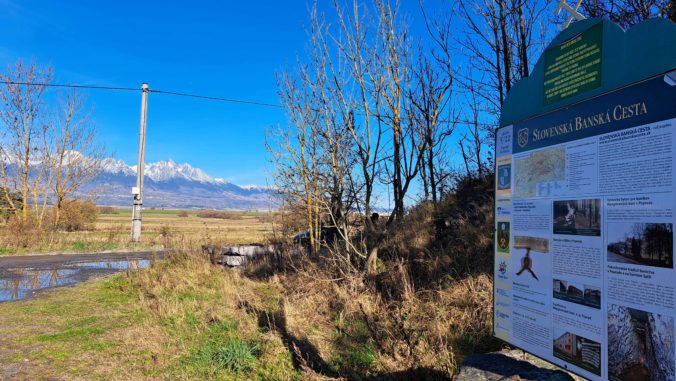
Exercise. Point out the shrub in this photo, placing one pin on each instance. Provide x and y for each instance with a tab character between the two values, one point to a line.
6	209
23	233
225	215
77	215
183	214
107	210
165	231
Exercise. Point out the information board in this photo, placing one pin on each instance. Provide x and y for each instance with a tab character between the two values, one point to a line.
584	234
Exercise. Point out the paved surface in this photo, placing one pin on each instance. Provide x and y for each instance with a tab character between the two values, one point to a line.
54	260
22	277
612	257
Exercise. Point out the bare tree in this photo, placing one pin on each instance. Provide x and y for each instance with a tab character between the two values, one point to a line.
500	40
316	153
24	144
626	13
294	151
76	156
355	45
370	109
431	98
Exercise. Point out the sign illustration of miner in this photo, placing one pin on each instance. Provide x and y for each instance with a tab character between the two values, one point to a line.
529	244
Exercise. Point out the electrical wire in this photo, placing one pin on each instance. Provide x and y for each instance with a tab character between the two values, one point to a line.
198	96
70	86
256	103
96	87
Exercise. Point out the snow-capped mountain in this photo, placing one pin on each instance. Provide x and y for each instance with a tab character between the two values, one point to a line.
167	170
111	165
172	185
160	171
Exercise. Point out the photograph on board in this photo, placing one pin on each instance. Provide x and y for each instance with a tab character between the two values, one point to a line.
577	217
578	350
528	256
640	345
585	295
638	243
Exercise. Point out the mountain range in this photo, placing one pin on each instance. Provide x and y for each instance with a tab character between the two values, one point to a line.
178	186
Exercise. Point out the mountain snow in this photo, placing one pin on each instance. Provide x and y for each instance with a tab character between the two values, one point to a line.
169	185
172	185
113	166
163	171
169	170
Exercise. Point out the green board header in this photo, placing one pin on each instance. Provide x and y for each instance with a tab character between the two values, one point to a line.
574	66
589	58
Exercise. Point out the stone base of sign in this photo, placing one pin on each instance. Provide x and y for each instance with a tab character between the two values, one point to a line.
510	365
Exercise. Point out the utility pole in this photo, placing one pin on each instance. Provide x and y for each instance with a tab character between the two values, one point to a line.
137	191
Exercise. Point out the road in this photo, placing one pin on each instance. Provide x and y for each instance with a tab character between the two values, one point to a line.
612	257
56	260
24	276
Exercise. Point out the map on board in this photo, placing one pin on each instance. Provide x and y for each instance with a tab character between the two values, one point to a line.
545	167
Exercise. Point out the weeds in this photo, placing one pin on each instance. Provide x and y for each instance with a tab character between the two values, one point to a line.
289	316
237	355
161	229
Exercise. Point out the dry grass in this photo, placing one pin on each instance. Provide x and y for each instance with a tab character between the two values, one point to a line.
161	229
361	333
179	319
186	319
288	317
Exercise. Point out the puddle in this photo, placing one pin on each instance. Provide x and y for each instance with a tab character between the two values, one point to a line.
133	264
22	283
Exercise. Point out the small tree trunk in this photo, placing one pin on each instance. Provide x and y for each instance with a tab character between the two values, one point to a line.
372	261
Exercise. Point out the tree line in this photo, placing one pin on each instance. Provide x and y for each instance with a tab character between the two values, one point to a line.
376	113
48	149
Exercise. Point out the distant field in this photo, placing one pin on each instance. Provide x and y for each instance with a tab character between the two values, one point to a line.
240	227
161	229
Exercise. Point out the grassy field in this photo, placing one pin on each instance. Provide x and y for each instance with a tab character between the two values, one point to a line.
161	229
185	319
180	319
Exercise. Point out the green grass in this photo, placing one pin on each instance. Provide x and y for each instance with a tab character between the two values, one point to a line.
176	320
220	353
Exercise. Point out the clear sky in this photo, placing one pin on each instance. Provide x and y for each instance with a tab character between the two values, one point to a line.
230	49
227	48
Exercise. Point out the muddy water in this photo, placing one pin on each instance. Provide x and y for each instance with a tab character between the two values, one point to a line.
24	282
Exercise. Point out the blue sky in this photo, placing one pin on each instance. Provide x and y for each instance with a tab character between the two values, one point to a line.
229	49
226	49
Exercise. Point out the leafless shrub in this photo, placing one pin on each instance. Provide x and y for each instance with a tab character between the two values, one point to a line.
225	215
107	210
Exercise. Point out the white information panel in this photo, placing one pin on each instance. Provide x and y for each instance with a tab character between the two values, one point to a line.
584	244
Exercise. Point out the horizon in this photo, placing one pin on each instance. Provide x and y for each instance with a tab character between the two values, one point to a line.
213	50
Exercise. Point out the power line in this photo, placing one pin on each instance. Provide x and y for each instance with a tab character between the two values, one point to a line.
37	84
95	87
217	98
